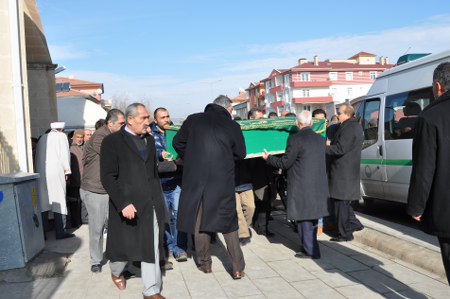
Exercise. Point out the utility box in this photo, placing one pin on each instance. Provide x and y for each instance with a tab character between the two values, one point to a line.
22	235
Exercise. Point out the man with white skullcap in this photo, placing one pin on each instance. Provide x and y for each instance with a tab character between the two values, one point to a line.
53	165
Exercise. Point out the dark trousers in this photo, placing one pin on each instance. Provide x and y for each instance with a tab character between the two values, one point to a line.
262	209
307	231
60	223
202	241
346	219
445	252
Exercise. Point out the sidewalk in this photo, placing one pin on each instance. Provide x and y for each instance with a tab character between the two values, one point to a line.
346	270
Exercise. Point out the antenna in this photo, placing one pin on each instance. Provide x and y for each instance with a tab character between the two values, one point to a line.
407	50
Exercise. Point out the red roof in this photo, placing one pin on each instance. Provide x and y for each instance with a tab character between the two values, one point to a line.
328	66
241	97
365	54
75	94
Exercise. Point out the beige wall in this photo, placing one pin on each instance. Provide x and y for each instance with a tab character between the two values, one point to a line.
27	84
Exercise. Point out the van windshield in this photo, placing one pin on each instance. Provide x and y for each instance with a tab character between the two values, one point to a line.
402	110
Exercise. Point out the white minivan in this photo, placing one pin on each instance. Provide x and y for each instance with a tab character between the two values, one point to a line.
388	113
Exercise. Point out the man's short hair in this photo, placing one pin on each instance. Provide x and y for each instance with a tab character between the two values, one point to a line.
290	114
157	110
272	114
442	75
113	115
319	111
349	110
132	110
304	118
100	123
253	111
78	132
223	101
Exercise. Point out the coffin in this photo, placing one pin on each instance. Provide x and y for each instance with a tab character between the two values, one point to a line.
260	134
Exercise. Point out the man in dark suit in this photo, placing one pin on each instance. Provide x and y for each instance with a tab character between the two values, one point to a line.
428	196
137	215
344	152
304	160
209	143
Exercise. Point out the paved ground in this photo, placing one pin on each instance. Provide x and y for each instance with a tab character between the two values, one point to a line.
350	270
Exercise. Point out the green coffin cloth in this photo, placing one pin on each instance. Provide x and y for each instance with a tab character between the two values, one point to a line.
260	134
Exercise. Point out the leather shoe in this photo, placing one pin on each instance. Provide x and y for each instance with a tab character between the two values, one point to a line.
237	275
205	270
120	282
340	239
156	296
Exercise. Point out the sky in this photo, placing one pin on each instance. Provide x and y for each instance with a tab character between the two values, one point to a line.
182	54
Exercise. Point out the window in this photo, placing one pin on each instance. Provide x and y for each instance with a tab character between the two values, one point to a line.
350	91
348	76
278	81
402	110
279	96
286	80
333	76
268	85
370	121
333	91
305	76
373	75
307	107
305	93
62	87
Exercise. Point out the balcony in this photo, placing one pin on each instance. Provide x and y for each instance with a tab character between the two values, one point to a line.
312	83
313	100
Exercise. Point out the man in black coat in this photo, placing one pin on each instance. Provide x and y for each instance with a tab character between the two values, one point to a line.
129	173
344	153
209	143
429	194
304	160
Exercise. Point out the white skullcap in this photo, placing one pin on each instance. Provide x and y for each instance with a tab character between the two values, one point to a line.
58	125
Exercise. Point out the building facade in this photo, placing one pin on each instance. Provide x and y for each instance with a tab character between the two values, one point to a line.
321	84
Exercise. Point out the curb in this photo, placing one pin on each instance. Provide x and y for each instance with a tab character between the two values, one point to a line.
404	243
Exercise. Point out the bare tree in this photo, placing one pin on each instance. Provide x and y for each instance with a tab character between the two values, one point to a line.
122	100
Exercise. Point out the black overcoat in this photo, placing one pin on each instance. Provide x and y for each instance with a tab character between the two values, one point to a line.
209	143
307	184
345	158
429	188
129	179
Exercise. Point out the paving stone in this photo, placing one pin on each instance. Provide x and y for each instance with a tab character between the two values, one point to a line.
276	287
410	294
257	268
335	278
290	271
432	288
236	288
273	252
382	283
358	292
371	261
316	289
401	273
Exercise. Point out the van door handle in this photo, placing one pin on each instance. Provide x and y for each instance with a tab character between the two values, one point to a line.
380	149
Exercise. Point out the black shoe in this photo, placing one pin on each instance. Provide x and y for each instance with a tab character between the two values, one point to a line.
65	236
244	241
341	239
127	274
96	268
359	228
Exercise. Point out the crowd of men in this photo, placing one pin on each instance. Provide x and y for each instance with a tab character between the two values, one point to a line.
123	179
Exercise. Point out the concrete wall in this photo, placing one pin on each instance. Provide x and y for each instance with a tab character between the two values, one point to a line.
26	69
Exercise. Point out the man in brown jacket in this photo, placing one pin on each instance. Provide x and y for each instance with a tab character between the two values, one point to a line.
92	192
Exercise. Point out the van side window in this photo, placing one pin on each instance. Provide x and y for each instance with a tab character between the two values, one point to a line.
402	110
370	121
359	110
